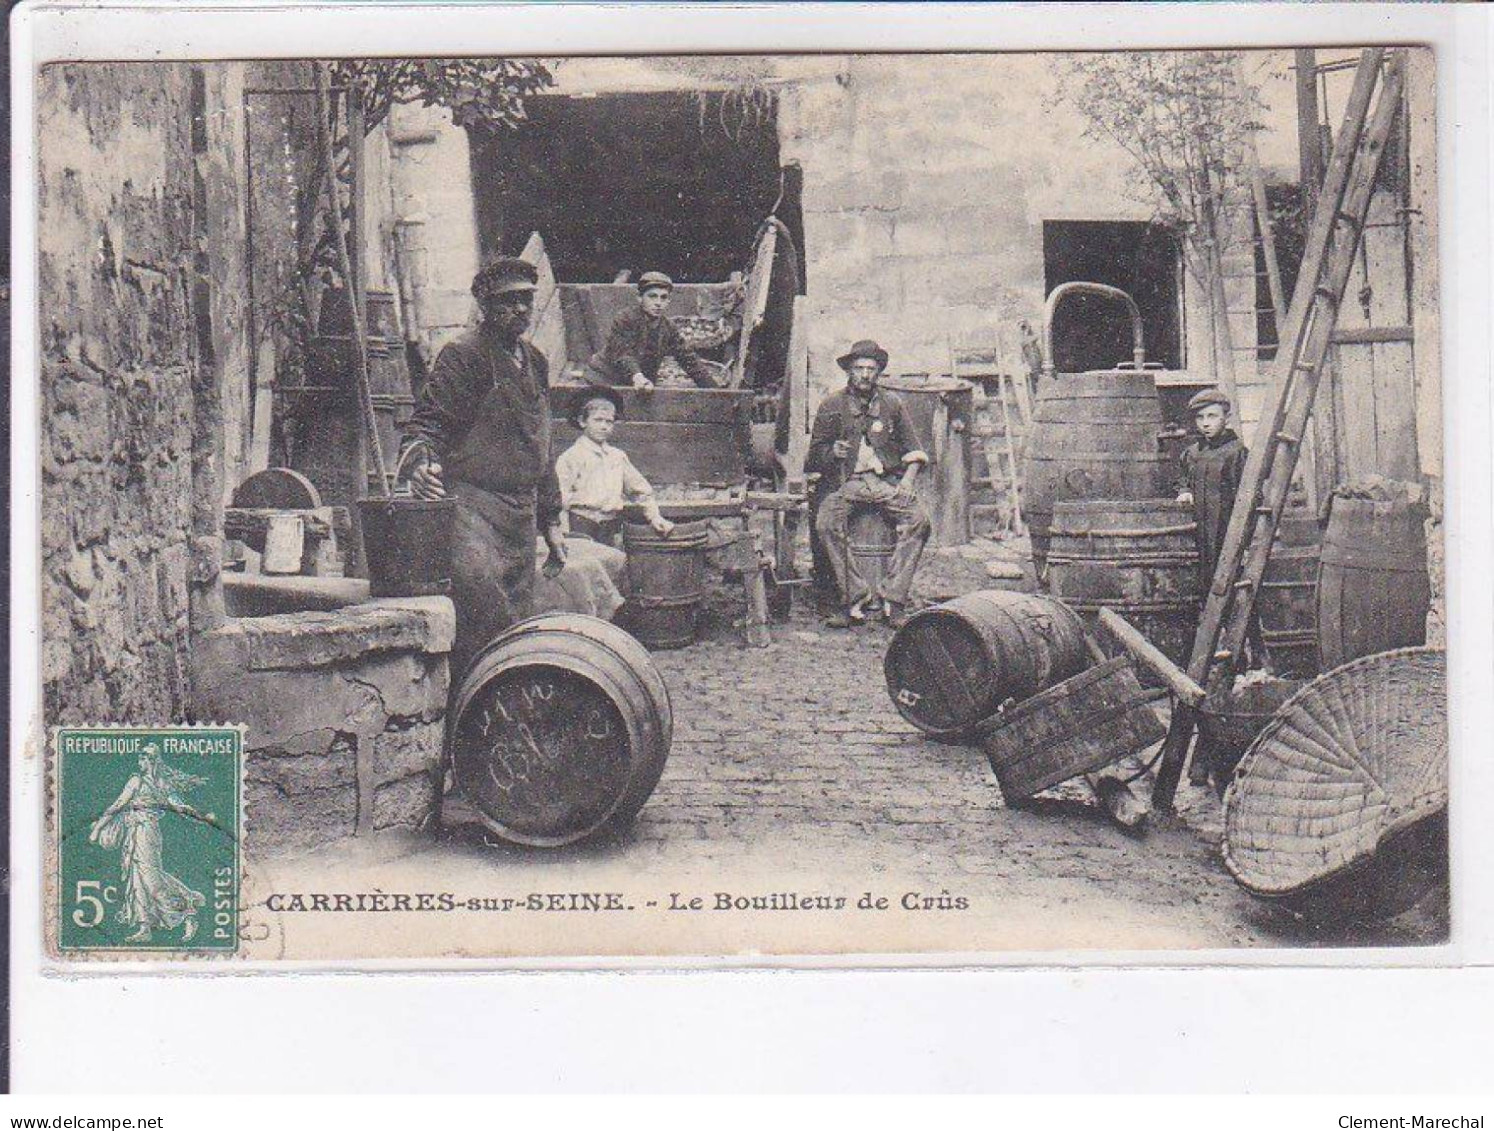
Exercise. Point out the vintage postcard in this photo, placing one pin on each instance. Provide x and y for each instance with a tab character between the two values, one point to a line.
750	507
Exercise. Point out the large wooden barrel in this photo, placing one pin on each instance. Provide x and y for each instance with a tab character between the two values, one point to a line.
666	582
1288	604
1093	436
560	731
952	666
943	414
872	537
1138	557
1373	587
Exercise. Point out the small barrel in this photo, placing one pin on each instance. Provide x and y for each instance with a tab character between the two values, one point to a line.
1093	436
666	582
1138	557
1373	586
560	730
407	544
872	537
952	666
1080	725
1288	603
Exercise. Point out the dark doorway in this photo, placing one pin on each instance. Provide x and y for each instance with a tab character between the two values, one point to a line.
676	182
1139	258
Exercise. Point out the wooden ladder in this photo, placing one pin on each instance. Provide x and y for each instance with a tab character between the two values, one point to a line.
1014	404
1333	239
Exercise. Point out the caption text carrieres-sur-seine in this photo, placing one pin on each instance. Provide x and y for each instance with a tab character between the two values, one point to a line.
595	902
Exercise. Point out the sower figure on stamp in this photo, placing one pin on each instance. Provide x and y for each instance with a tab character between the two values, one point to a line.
483	423
864	446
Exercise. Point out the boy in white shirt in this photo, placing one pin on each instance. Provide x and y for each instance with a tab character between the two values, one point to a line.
597	480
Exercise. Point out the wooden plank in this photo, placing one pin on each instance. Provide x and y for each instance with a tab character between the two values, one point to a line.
1144	652
708	454
1357	433
1395	410
548	333
667	406
755	305
1422	249
1368	335
796	381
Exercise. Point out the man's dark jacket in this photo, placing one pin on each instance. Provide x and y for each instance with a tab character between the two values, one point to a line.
883	421
487	417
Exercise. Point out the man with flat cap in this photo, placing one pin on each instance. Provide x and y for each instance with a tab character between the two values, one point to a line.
483	427
642	338
865	449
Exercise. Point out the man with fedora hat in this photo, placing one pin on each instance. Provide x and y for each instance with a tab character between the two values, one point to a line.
483	428
865	449
641	338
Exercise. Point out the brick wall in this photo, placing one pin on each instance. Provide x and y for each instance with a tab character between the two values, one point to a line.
117	366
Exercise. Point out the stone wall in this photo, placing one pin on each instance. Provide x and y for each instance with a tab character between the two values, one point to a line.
117	367
345	717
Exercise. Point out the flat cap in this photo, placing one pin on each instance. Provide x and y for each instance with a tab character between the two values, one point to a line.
1206	398
651	279
504	273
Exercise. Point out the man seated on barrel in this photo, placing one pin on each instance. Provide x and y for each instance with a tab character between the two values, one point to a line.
865	448
642	338
483	427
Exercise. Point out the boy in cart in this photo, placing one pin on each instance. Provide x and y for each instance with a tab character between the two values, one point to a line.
642	338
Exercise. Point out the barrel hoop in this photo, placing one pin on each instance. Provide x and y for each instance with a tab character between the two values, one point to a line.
1372	560
1313	584
872	549
679	600
1107	458
1133	606
1122	532
1062	557
1289	636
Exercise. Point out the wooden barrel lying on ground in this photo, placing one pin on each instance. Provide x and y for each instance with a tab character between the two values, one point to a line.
1373	587
560	730
1339	807
1093	436
1136	556
666	578
952	666
1080	725
1288	603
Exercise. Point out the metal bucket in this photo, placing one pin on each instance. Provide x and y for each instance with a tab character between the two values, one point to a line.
407	544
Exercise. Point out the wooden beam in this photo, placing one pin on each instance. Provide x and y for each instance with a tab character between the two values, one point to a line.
1144	652
1371	335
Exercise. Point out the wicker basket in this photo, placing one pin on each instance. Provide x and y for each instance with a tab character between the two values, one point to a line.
1342	794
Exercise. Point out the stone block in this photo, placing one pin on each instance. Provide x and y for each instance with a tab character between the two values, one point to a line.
277	823
409	802
409	750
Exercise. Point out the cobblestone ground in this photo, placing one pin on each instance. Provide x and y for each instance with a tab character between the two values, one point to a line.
790	763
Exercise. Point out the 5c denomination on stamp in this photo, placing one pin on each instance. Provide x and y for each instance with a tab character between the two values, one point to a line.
148	834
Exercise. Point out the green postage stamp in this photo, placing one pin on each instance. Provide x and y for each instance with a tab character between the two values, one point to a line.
148	837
